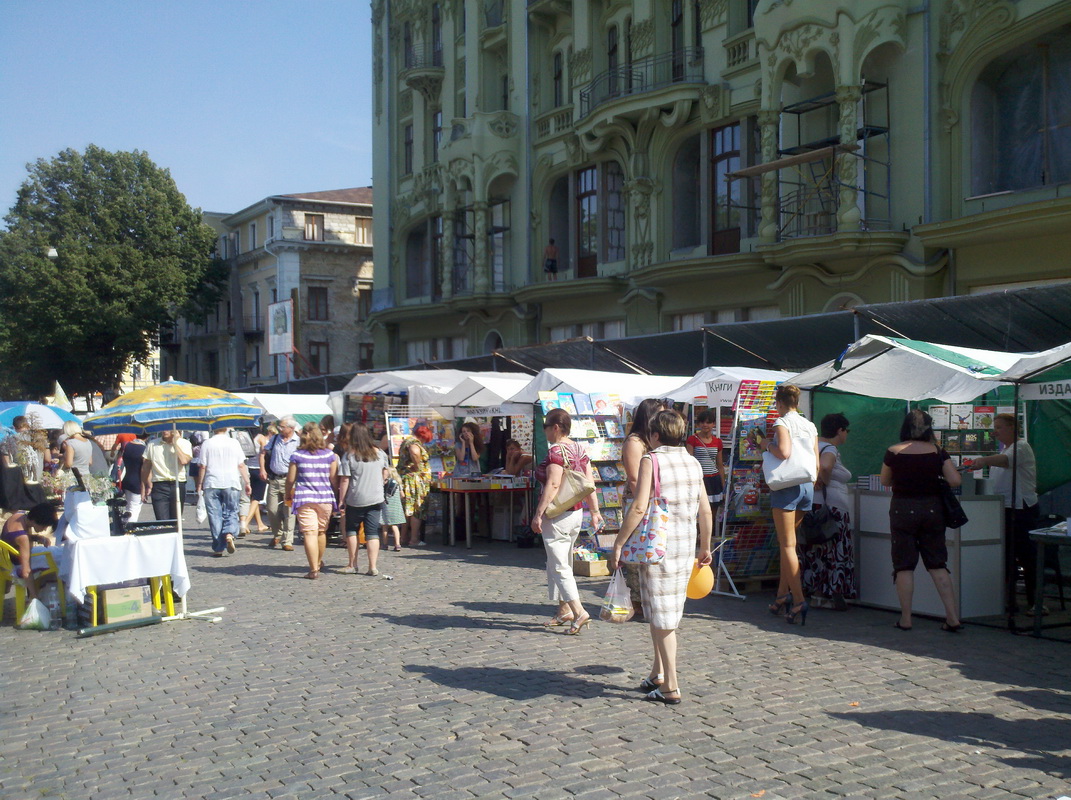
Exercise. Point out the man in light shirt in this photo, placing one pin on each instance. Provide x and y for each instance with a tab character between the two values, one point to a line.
274	466
222	478
158	473
1015	462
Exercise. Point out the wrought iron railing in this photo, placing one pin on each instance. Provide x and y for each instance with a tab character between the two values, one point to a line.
494	13
645	75
420	56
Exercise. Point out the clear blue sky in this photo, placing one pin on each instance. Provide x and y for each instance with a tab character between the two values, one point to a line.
240	100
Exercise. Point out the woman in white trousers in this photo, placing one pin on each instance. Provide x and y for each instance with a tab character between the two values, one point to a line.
560	532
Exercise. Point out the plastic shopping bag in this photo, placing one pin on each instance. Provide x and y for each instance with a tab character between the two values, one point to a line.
617	605
36	617
202	512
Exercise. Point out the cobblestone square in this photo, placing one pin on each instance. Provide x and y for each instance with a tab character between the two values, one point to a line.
442	683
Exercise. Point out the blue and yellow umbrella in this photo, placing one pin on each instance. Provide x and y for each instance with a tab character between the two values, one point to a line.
173	405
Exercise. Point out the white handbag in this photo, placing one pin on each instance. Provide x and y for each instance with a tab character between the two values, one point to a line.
800	467
574	488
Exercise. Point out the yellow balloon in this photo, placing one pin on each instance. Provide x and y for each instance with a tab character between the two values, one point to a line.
701	583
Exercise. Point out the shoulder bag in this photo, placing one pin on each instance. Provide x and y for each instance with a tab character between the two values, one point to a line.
575	486
647	544
797	469
955	517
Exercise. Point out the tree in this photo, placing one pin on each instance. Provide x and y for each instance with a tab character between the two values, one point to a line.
130	256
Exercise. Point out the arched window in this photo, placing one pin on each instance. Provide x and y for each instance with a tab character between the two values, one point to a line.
686	232
1021	117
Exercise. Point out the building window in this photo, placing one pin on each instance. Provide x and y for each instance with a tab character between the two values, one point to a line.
317	303
559	80
252	236
464	249
499	234
416	263
365	354
1021	117
436	35
254	323
505	92
271	227
274	295
256	361
437	266
691	322
676	32
363	230
587	222
436	134
408	55
407	151
233	250
611	60
686	200
725	210
614	192
364	302
318	357
314	227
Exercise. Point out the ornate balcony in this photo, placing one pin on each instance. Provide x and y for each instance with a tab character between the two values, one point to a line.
643	77
423	70
553	124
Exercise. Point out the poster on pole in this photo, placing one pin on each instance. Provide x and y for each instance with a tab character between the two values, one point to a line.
281	328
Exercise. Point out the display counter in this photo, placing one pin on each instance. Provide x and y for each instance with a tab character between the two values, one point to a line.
465	488
975	558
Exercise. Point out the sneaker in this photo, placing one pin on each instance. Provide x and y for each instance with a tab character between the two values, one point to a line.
373	572
230	544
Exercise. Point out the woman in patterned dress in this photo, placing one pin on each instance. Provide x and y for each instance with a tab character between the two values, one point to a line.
416	481
829	568
663	586
311	488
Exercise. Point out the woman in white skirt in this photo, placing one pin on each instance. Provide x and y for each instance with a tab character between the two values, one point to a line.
663	586
559	533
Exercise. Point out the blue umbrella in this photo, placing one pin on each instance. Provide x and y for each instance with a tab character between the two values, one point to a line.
40	415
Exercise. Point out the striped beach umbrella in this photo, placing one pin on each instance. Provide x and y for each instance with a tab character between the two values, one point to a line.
173	405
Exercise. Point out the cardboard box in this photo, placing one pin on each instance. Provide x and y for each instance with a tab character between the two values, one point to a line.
121	605
590	569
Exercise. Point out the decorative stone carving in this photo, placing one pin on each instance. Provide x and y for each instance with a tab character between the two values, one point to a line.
713	13
639	193
769	120
848	215
580	65
428	83
503	124
796	43
573	149
713	103
378	7
643	38
482	283
957	16
405	104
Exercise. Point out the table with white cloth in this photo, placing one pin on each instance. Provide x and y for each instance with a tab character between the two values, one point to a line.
92	562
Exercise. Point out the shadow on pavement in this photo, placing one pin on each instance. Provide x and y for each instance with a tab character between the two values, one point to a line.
536	611
1031	743
516	684
240	568
439	622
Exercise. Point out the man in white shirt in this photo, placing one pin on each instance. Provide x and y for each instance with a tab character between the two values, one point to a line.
158	473
222	478
1015	463
274	466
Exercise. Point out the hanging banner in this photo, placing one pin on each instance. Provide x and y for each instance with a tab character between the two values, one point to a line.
1050	390
281	328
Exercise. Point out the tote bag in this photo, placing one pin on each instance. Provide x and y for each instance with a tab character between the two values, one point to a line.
575	486
800	466
647	544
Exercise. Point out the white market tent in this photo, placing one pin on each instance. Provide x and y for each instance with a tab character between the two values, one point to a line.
424	387
1034	366
905	369
724	381
280	405
631	388
489	395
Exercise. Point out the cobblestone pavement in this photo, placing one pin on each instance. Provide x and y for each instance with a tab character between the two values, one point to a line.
442	684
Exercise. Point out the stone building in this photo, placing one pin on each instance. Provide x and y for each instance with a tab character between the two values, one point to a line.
704	161
313	248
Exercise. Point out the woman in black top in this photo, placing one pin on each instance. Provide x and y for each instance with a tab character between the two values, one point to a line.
914	468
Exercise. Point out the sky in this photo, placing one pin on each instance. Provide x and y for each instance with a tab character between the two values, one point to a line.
240	100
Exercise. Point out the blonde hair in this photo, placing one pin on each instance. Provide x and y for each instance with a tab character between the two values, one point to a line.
671	428
312	438
71	428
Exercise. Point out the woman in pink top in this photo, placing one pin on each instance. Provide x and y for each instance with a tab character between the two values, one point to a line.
311	488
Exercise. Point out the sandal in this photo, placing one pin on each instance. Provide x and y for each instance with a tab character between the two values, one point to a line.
658	696
557	621
649	684
901	627
396	549
313	575
781	605
578	625
951	628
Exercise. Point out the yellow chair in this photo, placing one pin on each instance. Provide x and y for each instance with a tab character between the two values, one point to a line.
161	598
7	573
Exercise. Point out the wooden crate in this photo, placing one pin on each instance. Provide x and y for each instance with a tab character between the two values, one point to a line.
590	569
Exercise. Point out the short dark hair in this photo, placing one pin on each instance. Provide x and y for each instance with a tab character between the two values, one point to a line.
832	423
42	514
559	417
670	427
20	422
706	416
917	427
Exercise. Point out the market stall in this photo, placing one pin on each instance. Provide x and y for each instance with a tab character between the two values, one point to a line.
744	538
874	383
302	407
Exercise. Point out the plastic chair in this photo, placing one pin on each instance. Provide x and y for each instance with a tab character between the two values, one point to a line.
8	573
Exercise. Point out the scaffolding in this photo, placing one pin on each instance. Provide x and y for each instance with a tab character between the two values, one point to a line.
809	185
